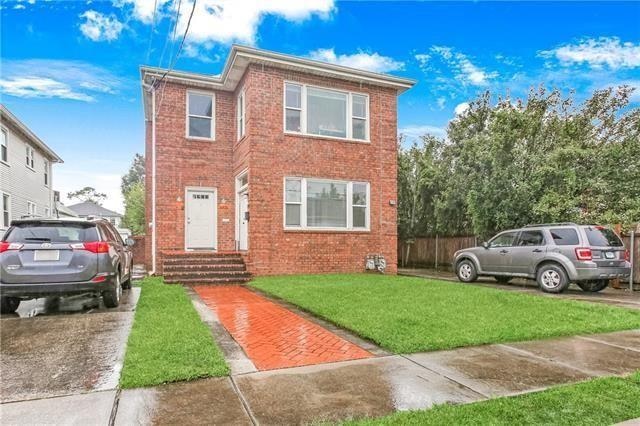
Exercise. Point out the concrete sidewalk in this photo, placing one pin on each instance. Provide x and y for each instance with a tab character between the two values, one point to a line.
350	389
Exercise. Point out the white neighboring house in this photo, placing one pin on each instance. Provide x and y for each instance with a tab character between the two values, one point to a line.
91	209
26	179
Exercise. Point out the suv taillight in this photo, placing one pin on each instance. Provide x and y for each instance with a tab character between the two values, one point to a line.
627	255
5	246
584	254
93	246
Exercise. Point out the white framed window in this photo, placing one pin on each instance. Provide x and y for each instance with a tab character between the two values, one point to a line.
4	146
240	115
47	212
30	157
201	115
318	111
31	208
46	172
6	210
311	203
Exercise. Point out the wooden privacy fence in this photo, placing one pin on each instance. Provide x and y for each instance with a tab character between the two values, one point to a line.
432	252
437	252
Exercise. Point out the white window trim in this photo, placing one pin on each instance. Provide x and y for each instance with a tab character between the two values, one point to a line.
6	141
47	173
2	194
213	115
241	118
47	212
303	206
32	156
35	208
303	113
240	189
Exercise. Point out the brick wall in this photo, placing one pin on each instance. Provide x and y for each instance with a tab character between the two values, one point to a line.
139	250
270	155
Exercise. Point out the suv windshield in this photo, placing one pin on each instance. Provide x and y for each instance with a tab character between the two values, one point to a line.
51	233
600	236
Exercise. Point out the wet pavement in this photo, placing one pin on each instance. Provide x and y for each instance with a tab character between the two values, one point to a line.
623	298
63	347
272	336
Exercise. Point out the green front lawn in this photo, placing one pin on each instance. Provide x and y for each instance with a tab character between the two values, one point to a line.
168	341
404	314
598	402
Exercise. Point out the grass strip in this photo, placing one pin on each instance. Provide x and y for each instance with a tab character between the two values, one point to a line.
405	314
596	402
168	341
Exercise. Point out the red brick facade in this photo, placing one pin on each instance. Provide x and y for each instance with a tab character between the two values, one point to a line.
269	155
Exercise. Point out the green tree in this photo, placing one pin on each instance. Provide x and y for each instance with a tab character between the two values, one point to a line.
134	175
87	193
134	211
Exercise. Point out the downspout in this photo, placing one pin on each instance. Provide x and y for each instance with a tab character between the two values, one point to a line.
153	180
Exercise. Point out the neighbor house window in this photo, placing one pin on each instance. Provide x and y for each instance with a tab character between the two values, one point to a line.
30	157
47	212
4	154
324	112
326	204
200	113
241	115
6	210
46	172
31	209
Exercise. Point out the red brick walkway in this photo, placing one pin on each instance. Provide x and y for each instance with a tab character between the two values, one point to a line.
272	336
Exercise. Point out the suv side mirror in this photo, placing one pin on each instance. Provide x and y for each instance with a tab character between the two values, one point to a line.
485	245
130	242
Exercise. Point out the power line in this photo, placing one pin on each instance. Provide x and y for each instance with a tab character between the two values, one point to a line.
173	37
153	26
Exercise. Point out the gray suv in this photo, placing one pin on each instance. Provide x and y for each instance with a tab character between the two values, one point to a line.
54	257
553	254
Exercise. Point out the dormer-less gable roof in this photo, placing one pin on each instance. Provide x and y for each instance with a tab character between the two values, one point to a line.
8	117
89	208
241	56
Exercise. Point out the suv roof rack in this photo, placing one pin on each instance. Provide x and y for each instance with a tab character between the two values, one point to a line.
551	224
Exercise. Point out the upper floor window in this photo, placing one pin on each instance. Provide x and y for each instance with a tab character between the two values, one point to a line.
200	115
326	204
31	208
46	173
324	112
30	157
241	115
4	154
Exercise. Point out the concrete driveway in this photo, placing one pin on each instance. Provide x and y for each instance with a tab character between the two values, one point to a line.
59	347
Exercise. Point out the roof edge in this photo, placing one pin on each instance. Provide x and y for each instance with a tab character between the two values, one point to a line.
30	135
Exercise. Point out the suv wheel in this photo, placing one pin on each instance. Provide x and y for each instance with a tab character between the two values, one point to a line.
593	285
552	278
503	280
9	305
111	297
126	285
466	271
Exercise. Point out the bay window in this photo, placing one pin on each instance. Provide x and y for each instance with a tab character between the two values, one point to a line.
326	204
200	115
324	112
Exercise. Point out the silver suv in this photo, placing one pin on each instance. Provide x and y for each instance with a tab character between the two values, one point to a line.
55	257
554	254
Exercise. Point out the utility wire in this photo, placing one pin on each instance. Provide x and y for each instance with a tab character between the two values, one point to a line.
153	26
173	37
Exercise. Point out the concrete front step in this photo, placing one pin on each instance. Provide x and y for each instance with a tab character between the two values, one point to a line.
193	281
178	267
207	274
203	261
177	254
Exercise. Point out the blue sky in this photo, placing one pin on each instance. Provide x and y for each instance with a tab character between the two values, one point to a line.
70	68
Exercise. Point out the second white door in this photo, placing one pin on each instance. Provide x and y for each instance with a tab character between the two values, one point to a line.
243	221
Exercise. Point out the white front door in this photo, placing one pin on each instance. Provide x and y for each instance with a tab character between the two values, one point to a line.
200	230
243	221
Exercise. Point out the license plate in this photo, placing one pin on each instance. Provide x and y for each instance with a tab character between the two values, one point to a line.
46	255
609	255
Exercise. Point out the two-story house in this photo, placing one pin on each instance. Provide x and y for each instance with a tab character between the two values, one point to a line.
25	171
289	161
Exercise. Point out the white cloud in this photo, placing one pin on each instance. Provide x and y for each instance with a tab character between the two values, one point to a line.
46	78
464	70
423	59
227	21
597	53
441	102
361	60
142	10
461	108
99	27
415	131
19	6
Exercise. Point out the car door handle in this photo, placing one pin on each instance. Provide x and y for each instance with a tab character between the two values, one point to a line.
504	251
537	251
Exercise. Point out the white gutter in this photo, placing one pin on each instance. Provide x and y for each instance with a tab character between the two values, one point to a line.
153	180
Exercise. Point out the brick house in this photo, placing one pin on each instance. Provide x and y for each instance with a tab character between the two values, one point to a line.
286	161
